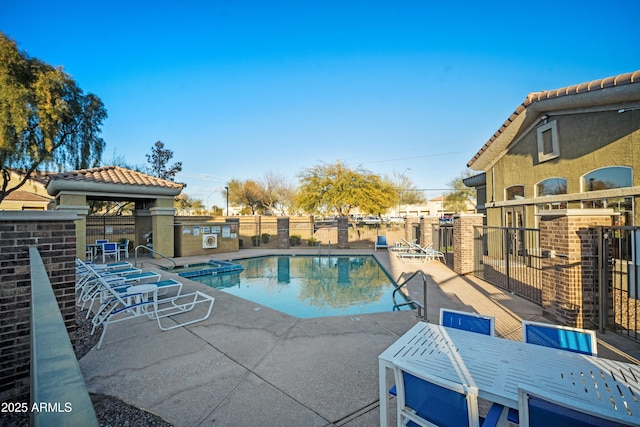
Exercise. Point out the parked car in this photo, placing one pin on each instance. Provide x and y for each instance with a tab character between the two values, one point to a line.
396	219
446	220
371	220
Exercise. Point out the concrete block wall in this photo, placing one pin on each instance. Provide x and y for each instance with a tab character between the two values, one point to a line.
54	234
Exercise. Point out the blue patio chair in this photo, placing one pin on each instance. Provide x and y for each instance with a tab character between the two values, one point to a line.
110	249
381	242
562	337
473	322
123	248
539	408
425	400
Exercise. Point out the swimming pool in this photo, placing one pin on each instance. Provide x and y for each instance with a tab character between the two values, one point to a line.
311	286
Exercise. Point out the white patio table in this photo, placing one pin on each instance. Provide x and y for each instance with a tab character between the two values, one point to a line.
497	366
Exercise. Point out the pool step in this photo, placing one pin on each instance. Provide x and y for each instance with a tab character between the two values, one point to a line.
218	267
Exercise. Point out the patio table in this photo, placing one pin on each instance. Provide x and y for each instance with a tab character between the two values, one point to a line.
497	366
140	294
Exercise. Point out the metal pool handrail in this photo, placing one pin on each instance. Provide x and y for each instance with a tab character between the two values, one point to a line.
421	307
135	255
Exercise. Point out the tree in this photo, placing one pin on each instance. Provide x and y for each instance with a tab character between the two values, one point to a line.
462	196
187	205
408	195
46	120
159	163
247	194
336	189
275	192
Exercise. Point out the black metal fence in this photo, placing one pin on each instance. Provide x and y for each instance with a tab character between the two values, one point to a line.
442	238
111	227
619	277
510	258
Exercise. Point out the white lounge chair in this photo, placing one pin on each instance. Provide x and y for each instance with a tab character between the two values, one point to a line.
124	304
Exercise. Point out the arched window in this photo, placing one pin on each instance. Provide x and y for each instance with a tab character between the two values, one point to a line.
551	187
515	192
607	178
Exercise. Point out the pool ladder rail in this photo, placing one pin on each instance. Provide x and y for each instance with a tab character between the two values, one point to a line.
422	307
151	251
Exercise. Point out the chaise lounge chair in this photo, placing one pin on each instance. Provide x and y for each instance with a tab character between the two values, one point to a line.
120	304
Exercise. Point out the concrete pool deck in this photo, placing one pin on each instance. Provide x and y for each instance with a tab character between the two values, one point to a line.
248	365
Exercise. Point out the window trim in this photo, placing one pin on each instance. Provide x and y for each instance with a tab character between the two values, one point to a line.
506	189
537	192
583	181
555	153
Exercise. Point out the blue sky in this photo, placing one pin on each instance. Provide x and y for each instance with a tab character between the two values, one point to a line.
240	88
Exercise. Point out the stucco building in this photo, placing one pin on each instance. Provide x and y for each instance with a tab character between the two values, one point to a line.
31	196
576	147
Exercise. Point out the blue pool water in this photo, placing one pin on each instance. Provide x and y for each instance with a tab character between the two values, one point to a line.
311	286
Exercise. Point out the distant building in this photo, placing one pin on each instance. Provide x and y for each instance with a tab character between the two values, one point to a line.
31	196
575	147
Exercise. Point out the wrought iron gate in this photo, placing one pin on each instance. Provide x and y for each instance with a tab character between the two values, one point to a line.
510	258
619	266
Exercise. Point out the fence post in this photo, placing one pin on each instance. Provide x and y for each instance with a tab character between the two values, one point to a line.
283	233
463	247
343	232
569	264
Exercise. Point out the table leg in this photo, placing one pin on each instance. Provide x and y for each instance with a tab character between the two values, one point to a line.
384	397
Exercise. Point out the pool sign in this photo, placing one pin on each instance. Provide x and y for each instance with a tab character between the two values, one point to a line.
209	241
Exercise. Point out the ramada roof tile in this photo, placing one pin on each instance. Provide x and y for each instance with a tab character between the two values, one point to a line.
114	175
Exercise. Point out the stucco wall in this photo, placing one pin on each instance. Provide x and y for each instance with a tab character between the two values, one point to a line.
587	141
189	238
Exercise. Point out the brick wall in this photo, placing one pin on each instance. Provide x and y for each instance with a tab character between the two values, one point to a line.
54	234
570	273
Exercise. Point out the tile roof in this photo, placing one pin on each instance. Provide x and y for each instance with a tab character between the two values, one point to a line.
114	175
25	196
595	85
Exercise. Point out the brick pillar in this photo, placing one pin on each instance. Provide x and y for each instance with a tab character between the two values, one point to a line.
408	226
343	232
54	234
569	264
426	229
463	242
283	233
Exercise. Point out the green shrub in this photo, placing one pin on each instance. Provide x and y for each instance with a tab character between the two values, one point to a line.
294	239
